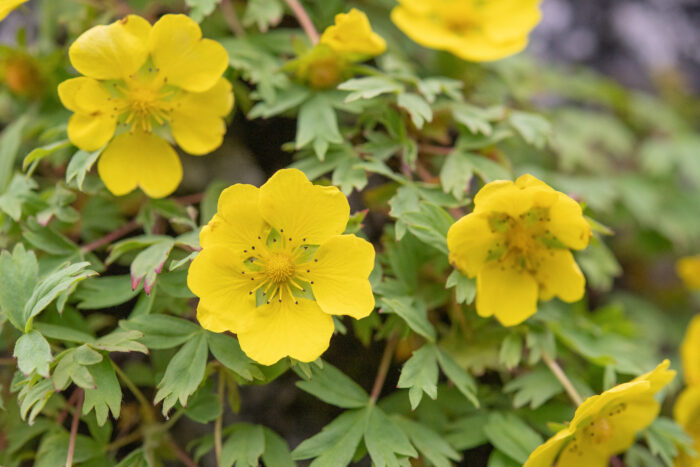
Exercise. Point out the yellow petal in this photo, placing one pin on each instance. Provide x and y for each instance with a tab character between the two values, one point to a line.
469	241
658	377
506	292
546	453
340	272
568	224
90	133
558	274
140	160
304	212
686	411
196	122
67	91
301	331
578	455
510	19
690	352
353	34
111	52
237	223
627	420
223	284
94	122
688	269
6	6
187	60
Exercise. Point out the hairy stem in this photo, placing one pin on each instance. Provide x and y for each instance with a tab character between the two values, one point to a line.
231	18
383	367
304	20
74	427
563	379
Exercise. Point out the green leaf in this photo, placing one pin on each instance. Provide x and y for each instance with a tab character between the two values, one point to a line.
72	366
534	128
461	379
204	405
228	351
317	124
183	374
457	172
337	442
149	263
476	119
511	351
498	459
43	151
121	341
161	331
49	287
34	396
53	449
10	140
244	446
64	333
420	374
285	100
465	287
413	312
512	436
333	387
664	436
263	13
370	87
199	9
276	450
33	353
599	264
533	388
431	445
417	107
385	441
79	165
430	224
17	194
104	292
468	432
20	274
107	395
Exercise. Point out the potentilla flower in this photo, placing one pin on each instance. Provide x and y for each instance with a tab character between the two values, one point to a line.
688	269
275	266
690	352
349	40
516	243
605	424
146	84
474	30
6	7
686	411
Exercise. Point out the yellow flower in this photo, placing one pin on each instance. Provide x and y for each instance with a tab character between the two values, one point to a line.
688	269
516	243
6	7
274	267
690	352
686	411
143	83
349	40
605	424
474	30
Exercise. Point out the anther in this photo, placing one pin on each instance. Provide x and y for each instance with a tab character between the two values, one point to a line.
308	270
315	260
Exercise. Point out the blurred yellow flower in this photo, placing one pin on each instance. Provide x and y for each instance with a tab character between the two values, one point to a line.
349	40
688	269
474	30
690	352
275	266
145	83
605	424
686	411
6	7
516	243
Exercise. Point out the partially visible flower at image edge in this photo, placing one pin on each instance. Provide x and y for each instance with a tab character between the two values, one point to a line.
275	266
605	424
686	412
350	40
142	86
473	30
7	6
516	243
688	269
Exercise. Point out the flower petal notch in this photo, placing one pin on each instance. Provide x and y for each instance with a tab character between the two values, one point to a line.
275	266
605	424
473	30
516	243
146	84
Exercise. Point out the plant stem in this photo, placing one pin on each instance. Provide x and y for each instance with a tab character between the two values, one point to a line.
182	455
304	20
563	379
383	367
124	440
616	462
231	18
219	420
135	391
110	237
74	427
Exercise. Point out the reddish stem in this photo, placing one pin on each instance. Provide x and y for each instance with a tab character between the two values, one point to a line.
74	427
110	237
304	20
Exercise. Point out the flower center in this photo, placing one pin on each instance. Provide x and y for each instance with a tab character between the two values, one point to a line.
600	431
520	238
279	268
145	104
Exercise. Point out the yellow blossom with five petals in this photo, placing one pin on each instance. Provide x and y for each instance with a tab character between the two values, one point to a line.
142	85
605	424
688	269
475	30
275	266
7	6
516	243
